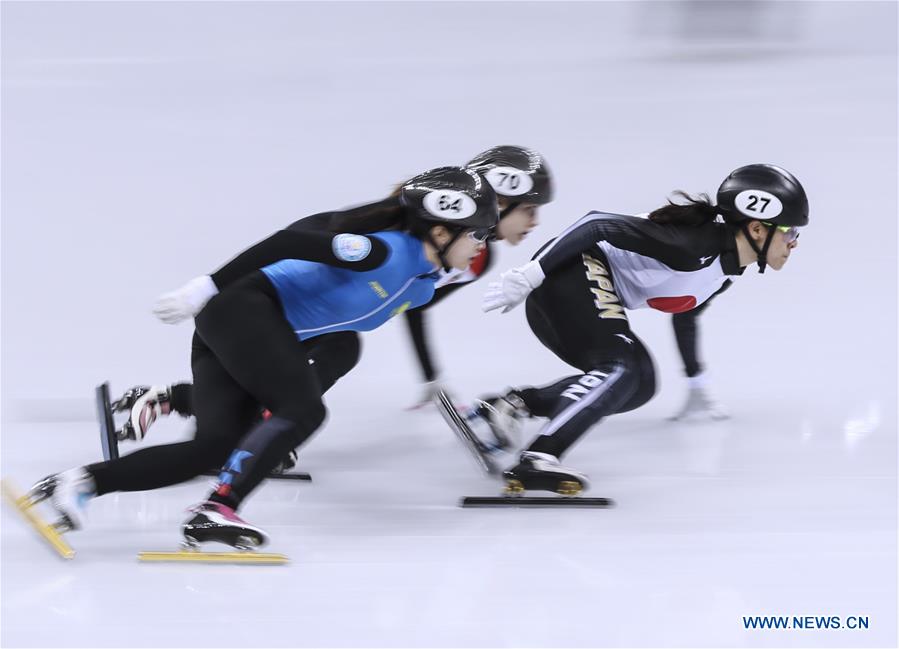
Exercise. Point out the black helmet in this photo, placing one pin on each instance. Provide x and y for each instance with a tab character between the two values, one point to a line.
519	174
455	197
763	192
452	196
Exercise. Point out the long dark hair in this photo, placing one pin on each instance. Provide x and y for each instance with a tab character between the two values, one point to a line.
386	214
695	211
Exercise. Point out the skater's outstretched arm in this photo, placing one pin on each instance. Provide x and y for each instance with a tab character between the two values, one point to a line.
682	249
416	319
700	400
417	322
686	332
318	238
350	251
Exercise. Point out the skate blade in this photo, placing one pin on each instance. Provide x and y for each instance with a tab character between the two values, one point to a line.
48	532
535	501
463	431
199	556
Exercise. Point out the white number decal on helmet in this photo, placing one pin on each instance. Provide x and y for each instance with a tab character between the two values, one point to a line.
449	204
758	204
509	181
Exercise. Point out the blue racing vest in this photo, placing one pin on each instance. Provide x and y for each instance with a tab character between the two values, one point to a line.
319	299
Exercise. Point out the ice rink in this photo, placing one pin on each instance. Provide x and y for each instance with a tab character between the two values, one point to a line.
144	144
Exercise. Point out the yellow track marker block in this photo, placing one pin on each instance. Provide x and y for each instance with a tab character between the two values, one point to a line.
48	532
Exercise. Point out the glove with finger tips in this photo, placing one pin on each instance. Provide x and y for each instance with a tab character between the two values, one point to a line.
185	302
514	286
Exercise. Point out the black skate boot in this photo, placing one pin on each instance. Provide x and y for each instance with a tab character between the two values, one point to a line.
212	521
504	415
285	465
542	472
143	404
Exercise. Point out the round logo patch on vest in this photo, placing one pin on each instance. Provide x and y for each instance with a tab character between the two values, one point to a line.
351	247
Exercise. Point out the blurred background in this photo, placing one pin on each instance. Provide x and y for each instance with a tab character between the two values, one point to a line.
146	143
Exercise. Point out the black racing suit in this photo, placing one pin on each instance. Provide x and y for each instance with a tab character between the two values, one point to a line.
597	268
244	353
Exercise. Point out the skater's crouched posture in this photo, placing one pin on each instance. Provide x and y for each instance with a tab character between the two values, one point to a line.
523	183
580	284
259	321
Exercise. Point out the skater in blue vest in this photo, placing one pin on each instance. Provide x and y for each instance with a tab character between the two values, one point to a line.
258	320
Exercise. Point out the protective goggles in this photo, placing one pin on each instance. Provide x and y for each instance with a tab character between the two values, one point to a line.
791	232
480	236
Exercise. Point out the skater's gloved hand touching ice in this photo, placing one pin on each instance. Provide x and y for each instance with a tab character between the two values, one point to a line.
185	302
700	404
514	286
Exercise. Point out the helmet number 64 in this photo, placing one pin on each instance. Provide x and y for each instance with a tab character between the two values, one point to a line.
446	202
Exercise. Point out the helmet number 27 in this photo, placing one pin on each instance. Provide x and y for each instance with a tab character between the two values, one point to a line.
754	201
757	202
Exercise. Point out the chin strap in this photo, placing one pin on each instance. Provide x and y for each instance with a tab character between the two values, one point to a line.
441	252
763	251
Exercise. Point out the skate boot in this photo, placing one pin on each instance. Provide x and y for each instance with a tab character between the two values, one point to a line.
144	404
287	463
68	492
504	415
542	472
212	521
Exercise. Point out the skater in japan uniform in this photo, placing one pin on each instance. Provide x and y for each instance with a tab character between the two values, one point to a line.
579	286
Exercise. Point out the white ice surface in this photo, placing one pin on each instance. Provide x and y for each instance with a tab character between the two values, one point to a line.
144	144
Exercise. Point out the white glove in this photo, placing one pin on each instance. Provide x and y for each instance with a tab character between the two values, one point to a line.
513	287
700	404
187	301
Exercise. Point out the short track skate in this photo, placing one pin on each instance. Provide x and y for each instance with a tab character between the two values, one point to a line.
51	533
568	488
478	449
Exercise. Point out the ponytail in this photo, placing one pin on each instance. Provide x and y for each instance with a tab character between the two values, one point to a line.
387	214
694	212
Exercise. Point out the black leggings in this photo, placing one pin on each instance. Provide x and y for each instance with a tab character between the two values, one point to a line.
244	353
330	355
576	313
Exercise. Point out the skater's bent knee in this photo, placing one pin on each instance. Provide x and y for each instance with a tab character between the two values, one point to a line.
307	414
